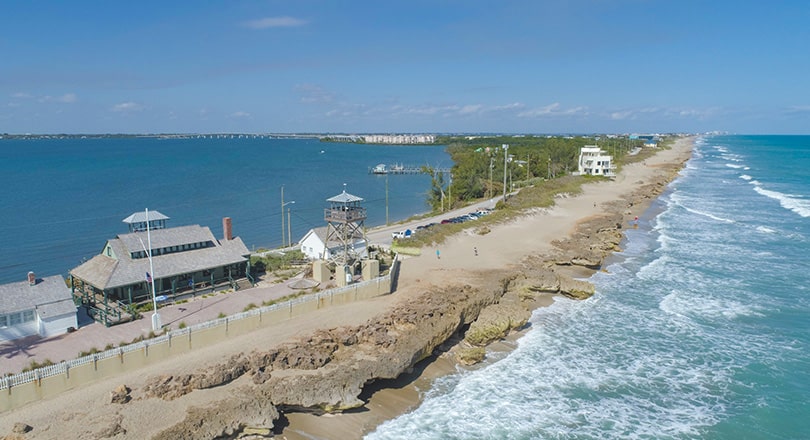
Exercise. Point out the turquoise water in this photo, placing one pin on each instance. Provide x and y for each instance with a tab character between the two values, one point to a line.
699	330
63	198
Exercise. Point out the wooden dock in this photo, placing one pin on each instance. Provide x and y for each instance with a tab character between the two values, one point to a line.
402	169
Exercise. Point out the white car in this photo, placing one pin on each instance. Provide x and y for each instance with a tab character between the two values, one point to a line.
402	234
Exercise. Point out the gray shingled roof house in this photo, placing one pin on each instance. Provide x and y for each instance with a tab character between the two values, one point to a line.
184	258
42	306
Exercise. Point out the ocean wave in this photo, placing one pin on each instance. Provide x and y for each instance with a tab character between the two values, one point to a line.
735	166
704	306
745	177
708	215
791	202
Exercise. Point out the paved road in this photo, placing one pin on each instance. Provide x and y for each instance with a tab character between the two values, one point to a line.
381	236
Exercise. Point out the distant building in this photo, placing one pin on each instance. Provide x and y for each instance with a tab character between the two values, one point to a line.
651	143
399	139
185	259
314	247
594	161
37	306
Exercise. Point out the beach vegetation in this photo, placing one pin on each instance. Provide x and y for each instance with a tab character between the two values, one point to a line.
250	306
272	262
33	365
182	325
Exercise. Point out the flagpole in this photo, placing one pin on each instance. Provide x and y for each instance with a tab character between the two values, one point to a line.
155	315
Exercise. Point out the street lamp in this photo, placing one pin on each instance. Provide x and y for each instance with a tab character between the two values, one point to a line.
289	232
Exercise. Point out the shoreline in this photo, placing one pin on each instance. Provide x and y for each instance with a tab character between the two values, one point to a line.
406	393
508	248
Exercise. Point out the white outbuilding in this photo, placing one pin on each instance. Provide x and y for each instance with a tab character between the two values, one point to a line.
37	306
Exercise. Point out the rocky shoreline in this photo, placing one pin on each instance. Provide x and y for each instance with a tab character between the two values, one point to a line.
326	371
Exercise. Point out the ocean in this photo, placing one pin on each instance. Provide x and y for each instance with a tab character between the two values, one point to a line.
699	329
63	198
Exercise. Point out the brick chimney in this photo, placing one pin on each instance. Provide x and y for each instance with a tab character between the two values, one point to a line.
227	229
32	279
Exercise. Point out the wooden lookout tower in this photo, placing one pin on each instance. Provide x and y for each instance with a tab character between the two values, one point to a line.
345	231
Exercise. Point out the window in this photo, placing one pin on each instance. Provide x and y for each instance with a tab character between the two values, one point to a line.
14	318
3	321
28	316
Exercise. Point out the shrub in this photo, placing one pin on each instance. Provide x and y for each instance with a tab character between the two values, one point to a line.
222	315
34	365
182	325
250	306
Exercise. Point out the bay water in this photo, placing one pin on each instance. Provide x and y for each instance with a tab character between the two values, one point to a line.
63	198
699	329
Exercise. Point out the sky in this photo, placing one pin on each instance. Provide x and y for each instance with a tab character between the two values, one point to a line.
415	66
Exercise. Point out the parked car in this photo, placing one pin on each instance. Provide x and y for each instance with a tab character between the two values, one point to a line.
402	234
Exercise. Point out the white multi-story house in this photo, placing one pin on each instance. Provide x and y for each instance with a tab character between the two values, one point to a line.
594	161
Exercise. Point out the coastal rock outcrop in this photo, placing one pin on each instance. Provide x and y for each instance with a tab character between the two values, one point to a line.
326	371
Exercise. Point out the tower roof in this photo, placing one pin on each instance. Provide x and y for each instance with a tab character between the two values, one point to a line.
344	197
140	217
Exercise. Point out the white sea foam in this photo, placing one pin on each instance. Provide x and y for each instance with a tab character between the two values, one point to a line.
794	203
766	230
708	214
735	166
703	305
745	177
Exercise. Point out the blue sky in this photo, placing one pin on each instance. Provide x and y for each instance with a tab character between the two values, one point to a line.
530	66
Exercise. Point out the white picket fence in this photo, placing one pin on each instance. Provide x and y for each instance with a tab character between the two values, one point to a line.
64	367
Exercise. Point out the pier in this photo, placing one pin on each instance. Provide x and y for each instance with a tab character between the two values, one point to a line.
403	169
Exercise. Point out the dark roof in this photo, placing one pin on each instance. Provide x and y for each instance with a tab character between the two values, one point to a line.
50	296
106	272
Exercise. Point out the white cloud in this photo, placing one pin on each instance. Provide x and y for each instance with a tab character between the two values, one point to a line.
273	22
21	95
240	115
470	109
553	110
67	98
798	109
314	94
127	107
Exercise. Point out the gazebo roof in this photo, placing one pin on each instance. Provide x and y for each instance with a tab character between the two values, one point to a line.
344	197
140	217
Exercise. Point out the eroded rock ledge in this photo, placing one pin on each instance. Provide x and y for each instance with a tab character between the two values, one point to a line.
327	370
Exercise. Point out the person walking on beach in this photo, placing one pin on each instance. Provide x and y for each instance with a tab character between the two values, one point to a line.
438	255
475	249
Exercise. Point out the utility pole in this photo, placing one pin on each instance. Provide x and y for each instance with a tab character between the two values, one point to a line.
548	170
289	227
282	216
386	199
528	167
505	149
491	166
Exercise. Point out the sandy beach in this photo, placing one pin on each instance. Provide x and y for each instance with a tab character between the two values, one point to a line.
87	413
